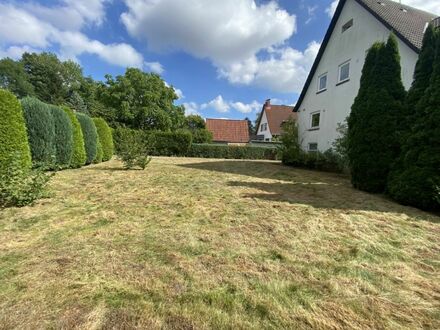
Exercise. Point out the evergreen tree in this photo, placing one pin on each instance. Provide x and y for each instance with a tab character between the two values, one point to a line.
373	143
416	178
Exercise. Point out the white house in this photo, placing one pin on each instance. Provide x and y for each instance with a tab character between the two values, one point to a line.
270	121
334	79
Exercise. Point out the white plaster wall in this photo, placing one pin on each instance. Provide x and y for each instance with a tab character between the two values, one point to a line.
266	133
335	103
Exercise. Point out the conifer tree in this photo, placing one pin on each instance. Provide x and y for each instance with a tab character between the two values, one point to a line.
372	142
416	178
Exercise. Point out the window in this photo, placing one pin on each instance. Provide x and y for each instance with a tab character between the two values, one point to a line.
263	127
344	72
347	25
322	82
313	147
315	119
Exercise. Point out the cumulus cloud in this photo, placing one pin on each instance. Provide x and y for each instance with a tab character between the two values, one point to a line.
432	6
155	67
332	8
220	105
191	108
34	27
233	34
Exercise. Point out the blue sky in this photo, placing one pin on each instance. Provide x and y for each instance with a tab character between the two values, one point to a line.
223	57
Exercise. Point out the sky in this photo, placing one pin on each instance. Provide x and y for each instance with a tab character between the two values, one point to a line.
223	58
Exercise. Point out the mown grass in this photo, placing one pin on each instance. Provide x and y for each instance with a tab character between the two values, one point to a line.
195	244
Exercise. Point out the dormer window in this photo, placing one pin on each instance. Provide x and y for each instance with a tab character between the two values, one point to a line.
347	25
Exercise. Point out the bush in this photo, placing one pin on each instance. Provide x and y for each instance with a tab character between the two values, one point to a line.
201	136
79	152
105	137
20	186
99	153
290	149
161	143
131	148
63	137
231	152
41	131
13	135
90	136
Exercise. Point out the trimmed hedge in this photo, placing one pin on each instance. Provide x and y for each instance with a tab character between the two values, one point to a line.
79	151
13	136
90	136
168	143
231	152
99	153
105	137
41	131
63	136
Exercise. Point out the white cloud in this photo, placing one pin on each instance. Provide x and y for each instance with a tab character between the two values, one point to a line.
232	34
179	93
432	6
155	67
246	108
34	27
191	108
218	104
285	71
332	8
311	11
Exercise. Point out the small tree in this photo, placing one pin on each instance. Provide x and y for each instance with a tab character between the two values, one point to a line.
372	140
105	138
415	180
79	152
90	136
63	137
13	135
290	149
41	131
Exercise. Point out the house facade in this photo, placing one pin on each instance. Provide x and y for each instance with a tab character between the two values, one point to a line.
269	123
228	131
334	80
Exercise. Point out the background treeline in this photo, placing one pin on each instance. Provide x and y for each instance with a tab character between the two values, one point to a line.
136	100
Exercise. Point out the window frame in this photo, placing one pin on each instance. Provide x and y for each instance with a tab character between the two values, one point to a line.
319	89
311	120
348	62
312	150
347	26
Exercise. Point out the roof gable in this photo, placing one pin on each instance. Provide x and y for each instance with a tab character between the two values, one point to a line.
406	22
276	115
228	130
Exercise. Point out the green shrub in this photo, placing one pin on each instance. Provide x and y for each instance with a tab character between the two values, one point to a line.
175	143
290	149
99	152
105	137
231	152
201	136
90	136
79	151
41	131
63	137
131	148
20	186
13	135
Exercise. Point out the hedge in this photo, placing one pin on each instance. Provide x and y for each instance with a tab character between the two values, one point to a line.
160	143
41	131
105	137
231	152
79	151
63	136
99	152
90	136
13	135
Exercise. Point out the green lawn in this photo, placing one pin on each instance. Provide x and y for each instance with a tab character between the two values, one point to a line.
194	244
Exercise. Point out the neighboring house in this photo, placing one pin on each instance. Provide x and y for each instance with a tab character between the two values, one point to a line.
228	130
269	123
334	79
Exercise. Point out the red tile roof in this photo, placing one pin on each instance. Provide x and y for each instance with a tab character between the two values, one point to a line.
276	115
228	130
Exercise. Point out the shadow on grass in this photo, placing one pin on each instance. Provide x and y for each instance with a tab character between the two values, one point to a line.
318	189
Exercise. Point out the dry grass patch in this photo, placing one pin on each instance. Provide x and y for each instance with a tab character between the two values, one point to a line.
197	244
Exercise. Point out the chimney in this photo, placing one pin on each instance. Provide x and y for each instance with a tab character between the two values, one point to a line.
267	103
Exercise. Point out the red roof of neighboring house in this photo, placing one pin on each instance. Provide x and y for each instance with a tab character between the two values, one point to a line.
228	130
276	115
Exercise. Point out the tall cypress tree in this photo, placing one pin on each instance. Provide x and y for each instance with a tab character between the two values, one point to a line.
372	141
417	180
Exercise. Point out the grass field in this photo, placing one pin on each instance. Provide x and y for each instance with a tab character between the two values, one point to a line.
195	244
